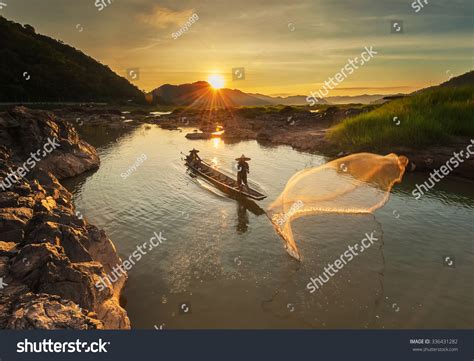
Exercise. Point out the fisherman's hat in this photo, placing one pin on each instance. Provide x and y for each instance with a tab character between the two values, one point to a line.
242	157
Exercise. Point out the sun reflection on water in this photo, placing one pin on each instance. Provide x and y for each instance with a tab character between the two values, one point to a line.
216	141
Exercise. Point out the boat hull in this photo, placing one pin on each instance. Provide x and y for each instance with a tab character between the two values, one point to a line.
223	182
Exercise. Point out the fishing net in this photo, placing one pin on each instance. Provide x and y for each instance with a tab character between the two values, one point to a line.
356	184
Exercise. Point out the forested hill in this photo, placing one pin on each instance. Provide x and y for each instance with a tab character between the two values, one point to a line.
36	68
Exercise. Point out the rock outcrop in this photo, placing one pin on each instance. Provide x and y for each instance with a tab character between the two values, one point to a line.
50	258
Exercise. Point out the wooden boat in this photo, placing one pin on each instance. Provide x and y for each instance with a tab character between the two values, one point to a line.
224	182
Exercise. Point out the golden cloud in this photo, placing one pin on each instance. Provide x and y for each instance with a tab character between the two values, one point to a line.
161	17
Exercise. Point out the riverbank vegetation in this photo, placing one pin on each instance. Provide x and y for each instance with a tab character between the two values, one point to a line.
37	68
431	117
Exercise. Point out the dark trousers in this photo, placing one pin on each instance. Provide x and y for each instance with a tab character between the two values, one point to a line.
242	178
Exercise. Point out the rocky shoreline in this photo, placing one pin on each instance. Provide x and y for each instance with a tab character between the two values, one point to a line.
303	130
306	131
50	257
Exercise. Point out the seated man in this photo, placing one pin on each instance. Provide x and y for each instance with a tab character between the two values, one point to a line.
243	169
193	158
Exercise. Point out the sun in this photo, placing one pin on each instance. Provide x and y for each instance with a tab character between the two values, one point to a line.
216	81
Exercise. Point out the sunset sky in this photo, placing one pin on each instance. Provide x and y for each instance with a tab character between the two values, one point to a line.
286	47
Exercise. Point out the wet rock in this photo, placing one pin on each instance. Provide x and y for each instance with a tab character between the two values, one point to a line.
14	235
6	248
169	126
73	242
433	158
13	221
43	311
83	158
3	265
239	133
8	199
50	259
264	136
198	135
28	131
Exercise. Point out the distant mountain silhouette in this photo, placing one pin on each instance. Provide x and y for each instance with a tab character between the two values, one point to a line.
201	93
34	68
289	100
356	99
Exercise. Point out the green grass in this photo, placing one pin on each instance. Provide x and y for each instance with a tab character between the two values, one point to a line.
427	118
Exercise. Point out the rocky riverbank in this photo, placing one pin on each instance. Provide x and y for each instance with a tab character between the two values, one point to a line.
300	128
306	131
50	257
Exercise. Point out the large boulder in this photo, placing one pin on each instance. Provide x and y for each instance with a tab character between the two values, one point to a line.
26	132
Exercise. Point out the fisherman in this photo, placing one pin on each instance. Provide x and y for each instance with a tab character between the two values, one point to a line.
193	158
242	170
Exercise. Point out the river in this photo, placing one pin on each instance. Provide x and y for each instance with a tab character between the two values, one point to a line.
223	266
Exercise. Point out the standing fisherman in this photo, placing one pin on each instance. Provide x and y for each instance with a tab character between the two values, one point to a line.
242	170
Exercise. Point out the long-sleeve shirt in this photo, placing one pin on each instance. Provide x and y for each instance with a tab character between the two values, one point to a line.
243	167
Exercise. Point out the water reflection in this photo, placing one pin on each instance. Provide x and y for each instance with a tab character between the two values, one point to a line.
400	284
243	207
216	141
242	218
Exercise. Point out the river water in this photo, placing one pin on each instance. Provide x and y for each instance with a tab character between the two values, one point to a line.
223	266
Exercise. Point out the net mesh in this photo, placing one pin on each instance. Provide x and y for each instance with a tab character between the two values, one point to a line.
358	183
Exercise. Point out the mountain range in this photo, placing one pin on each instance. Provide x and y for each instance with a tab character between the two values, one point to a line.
201	93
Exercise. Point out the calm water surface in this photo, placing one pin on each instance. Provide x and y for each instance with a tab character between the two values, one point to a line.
223	259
